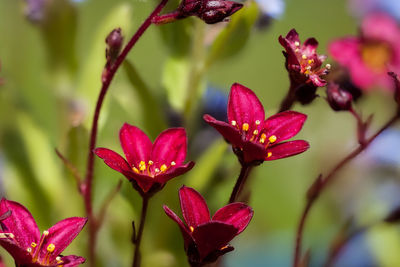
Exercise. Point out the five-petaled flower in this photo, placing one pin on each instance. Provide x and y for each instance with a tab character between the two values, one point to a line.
148	166
206	239
253	138
210	11
371	55
20	236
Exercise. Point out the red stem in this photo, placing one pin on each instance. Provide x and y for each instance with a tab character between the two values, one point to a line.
244	173
325	181
138	238
88	184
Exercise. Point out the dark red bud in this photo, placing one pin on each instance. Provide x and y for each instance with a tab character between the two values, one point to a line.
338	99
114	43
396	87
216	10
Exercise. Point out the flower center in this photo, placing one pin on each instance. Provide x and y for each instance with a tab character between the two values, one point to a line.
376	55
149	168
34	251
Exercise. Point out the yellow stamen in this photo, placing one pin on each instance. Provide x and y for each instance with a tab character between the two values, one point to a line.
224	247
233	123
6	235
296	43
33	244
304	56
262	138
163	167
58	259
157	170
258	122
45	233
245	126
51	247
272	139
173	163
269	154
296	50
328	66
135	169
150	162
255	132
142	166
310	61
29	250
191	229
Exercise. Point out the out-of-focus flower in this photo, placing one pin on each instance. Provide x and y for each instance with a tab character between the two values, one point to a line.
362	8
207	239
35	10
210	11
272	8
148	166
253	138
20	236
371	55
338	99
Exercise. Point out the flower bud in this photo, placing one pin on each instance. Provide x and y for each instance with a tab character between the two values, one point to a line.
396	87
114	43
338	99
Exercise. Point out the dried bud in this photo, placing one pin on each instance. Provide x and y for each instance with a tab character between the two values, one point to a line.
396	87
338	99
114	43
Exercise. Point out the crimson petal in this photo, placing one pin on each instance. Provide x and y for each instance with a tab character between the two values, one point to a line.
113	160
236	214
284	125
253	152
194	207
61	235
170	145
174	172
185	232
213	236
231	134
135	143
244	107
71	261
287	149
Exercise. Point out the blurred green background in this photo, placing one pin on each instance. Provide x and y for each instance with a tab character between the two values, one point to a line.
52	71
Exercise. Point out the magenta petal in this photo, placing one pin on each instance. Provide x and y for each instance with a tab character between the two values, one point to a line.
287	149
20	223
345	50
244	107
382	27
194	207
317	81
174	172
187	238
213	236
253	152
236	214
293	36
71	261
113	160
231	134
284	125
170	145
310	46
135	143
61	235
145	182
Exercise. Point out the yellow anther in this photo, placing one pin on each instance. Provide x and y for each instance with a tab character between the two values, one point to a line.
310	61
191	229
6	235
33	244
262	138
303	56
269	154
29	250
308	68
135	169
328	66
258	122
224	247
163	167
142	166
58	259
233	123
151	162
245	126
173	163
296	50
296	43
272	139
255	132
157	170
45	232
51	247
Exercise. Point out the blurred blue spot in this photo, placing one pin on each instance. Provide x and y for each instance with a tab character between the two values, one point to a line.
356	254
216	103
360	8
385	149
272	8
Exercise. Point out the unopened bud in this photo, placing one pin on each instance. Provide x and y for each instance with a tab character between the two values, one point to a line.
114	43
338	99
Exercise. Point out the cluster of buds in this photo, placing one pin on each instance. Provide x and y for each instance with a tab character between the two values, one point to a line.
210	11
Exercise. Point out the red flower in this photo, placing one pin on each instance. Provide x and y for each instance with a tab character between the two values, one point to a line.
371	55
206	239
302	61
148	166
20	236
253	138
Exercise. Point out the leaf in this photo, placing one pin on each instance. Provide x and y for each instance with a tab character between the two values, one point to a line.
77	147
235	36
206	165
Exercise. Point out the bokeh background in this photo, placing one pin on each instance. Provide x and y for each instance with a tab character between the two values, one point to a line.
51	65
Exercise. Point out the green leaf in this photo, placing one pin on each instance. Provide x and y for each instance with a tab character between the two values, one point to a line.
77	147
206	165
177	36
235	36
152	115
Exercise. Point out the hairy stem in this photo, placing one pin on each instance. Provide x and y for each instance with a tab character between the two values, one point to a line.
326	180
138	236
244	173
88	183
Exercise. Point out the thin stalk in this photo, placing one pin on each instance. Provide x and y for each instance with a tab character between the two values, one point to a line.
138	237
244	173
326	180
88	183
289	100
